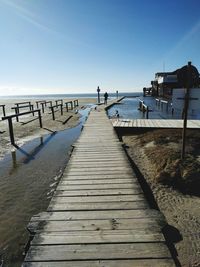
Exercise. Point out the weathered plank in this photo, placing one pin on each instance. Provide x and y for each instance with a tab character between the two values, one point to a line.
150	224
105	263
67	181
155	123
128	205
97	186
85	215
93	164
103	161
93	172
94	199
94	237
86	176
100	192
100	169
98	252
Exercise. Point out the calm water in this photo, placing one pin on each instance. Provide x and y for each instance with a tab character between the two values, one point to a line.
27	181
128	109
53	96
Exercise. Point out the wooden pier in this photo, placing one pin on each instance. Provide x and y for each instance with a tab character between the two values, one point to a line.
154	123
98	216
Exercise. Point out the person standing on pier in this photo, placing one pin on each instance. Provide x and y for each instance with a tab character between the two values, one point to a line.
105	98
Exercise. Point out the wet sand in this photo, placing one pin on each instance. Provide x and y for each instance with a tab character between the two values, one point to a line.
30	174
182	211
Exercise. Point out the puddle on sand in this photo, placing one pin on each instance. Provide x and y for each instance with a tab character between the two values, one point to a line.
27	180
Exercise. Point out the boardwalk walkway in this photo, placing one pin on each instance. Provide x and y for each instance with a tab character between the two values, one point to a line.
98	216
154	123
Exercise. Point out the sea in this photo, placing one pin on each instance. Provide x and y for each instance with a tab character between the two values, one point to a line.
91	95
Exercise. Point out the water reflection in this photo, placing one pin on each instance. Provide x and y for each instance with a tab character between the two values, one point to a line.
28	155
28	177
128	109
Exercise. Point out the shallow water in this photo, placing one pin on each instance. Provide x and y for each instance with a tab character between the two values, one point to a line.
28	177
128	109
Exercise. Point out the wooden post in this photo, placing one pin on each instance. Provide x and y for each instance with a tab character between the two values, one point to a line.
61	109
12	139
67	106
75	103
71	105
147	112
40	118
167	107
42	107
4	112
98	94
53	115
17	112
186	105
30	106
140	104
161	105
185	113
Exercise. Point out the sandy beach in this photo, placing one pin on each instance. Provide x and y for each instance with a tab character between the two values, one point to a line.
181	211
30	174
26	132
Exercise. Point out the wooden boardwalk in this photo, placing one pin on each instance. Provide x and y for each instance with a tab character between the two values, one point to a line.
153	123
98	216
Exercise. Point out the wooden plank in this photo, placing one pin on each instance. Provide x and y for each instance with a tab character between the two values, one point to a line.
101	169
66	181
93	215
87	176
100	172
91	160
98	198
150	224
97	186
100	156
100	192
97	143
156	123
105	263
99	153
88	164
95	237
100	251
129	205
102	165
98	150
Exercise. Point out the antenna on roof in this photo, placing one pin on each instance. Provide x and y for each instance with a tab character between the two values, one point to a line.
163	66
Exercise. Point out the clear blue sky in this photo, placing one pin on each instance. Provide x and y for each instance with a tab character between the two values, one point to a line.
72	46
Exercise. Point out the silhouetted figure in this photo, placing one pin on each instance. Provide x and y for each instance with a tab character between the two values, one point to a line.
105	98
117	94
